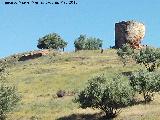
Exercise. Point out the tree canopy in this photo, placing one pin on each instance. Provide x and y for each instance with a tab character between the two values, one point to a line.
84	43
125	52
107	95
150	57
53	41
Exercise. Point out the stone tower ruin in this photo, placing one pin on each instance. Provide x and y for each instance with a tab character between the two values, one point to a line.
131	32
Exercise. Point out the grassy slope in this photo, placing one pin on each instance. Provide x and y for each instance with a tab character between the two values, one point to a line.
39	79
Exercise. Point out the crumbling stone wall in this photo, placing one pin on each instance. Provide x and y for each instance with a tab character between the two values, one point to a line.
33	55
131	32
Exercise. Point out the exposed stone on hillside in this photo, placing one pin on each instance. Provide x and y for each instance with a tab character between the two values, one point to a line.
131	32
33	55
15	58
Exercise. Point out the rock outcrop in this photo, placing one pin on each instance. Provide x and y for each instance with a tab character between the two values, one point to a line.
33	55
131	32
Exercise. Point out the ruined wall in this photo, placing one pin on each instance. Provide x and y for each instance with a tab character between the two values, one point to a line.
33	55
131	32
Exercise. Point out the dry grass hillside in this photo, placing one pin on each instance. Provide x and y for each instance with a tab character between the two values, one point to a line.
38	80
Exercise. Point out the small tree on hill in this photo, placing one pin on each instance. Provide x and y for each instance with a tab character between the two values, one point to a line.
84	43
145	83
108	95
8	94
93	44
8	100
79	43
3	66
149	57
125	53
53	41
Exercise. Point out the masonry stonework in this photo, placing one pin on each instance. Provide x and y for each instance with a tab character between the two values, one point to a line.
131	32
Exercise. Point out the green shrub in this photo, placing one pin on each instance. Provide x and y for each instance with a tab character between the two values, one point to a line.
84	43
8	100
93	44
145	83
125	53
53	41
108	95
149	57
3	70
79	43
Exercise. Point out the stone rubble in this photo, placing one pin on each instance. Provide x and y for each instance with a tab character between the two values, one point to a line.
34	54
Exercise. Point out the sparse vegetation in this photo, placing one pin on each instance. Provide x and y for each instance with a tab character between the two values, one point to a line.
38	81
145	83
8	99
53	41
125	53
150	57
84	43
108	95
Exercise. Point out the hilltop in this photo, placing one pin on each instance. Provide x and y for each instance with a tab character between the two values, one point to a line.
39	79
